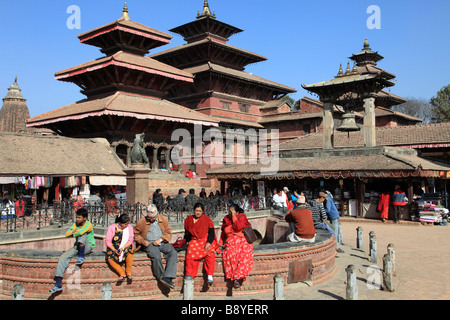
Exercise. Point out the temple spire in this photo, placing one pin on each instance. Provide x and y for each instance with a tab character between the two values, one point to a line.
366	45
125	14
347	71
206	11
341	71
14	93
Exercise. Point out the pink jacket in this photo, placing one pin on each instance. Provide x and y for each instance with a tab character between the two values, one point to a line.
112	231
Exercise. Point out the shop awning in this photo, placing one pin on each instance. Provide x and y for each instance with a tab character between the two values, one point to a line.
8	180
108	181
382	162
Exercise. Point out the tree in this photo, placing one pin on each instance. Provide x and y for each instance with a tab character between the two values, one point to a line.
441	104
416	107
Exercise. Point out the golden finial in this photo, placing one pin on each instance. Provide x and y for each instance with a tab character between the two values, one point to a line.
125	14
347	71
206	11
366	45
341	72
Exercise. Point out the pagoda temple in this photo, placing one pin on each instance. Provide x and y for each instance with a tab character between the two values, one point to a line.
355	90
125	94
14	113
222	88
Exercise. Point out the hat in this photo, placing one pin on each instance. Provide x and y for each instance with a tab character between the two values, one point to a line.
285	189
181	191
301	200
152	211
323	194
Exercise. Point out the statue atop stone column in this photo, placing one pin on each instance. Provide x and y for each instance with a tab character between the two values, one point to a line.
138	155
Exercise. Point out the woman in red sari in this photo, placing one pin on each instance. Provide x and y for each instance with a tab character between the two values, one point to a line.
237	252
383	206
201	238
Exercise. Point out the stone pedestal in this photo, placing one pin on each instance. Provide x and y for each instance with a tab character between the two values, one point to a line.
137	184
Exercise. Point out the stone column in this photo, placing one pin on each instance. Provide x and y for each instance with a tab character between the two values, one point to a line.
279	287
370	138
155	165
129	156
137	184
352	287
328	126
188	292
168	159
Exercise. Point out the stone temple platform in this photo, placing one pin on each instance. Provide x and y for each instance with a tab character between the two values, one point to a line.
34	268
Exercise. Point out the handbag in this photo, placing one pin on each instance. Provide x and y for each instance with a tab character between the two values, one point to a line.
250	234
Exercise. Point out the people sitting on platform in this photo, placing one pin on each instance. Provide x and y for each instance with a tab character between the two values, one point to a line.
201	238
119	243
301	224
83	232
318	213
237	253
153	234
190	174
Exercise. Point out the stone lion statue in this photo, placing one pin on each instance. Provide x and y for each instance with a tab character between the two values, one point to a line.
138	155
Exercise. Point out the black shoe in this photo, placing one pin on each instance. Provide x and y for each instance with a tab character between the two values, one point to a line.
340	250
168	283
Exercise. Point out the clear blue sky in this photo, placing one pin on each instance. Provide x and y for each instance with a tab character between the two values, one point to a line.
304	41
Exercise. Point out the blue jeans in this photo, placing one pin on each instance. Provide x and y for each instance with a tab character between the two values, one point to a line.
325	226
336	229
64	260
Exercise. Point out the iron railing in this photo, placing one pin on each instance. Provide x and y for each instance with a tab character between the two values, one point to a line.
103	215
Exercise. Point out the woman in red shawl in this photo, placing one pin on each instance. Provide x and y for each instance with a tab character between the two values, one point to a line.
383	205
237	253
201	239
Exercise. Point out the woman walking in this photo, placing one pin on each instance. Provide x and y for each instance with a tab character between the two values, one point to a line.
119	242
383	205
237	252
201	239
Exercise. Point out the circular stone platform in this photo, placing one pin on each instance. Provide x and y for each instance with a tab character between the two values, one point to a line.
34	270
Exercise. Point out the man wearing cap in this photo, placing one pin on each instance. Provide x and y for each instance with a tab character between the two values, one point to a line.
333	215
301	223
153	233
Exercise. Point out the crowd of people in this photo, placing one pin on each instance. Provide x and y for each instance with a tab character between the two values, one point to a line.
152	234
305	216
182	201
10	207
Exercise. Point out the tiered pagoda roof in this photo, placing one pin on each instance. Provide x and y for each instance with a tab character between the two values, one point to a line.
124	83
219	69
365	74
125	35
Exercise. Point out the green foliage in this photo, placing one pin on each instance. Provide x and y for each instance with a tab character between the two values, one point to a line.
441	104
